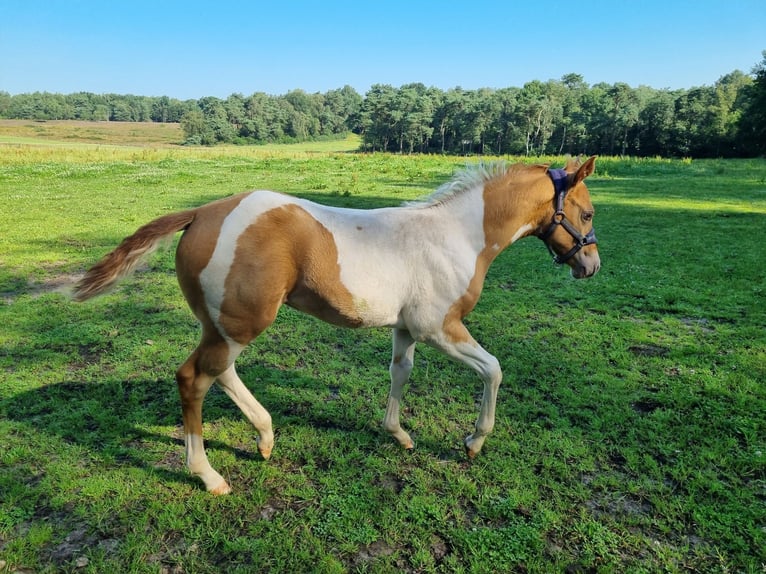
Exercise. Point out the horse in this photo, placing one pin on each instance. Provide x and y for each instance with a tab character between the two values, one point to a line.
417	268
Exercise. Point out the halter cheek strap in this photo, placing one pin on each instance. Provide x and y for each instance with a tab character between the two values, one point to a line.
559	177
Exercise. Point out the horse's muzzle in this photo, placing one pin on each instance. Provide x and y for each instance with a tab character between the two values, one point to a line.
585	265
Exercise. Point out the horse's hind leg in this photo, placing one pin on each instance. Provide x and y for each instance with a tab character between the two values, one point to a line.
230	382
401	367
194	379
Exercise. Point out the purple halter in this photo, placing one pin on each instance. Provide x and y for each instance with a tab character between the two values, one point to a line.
560	179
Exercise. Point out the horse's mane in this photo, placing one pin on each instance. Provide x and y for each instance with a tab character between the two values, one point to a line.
466	179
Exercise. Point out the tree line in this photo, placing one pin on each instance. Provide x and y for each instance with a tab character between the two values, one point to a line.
726	119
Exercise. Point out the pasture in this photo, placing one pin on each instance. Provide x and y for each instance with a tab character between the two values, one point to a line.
631	422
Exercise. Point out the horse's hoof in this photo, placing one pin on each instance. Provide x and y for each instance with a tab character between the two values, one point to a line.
265	451
221	489
470	450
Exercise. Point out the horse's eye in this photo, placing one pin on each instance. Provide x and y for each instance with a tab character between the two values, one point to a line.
587	216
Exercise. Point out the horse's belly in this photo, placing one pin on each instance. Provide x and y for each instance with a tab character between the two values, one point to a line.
377	284
364	313
375	312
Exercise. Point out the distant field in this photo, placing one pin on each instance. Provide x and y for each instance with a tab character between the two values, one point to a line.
105	133
142	134
631	423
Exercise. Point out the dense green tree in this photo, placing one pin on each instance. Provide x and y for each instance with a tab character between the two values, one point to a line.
540	107
501	132
5	103
303	111
255	124
235	111
414	121
83	106
726	109
551	117
378	117
752	122
572	129
121	112
692	122
341	110
655	121
195	128
449	108
623	109
216	120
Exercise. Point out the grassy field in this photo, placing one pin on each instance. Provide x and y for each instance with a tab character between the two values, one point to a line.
128	134
631	424
54	132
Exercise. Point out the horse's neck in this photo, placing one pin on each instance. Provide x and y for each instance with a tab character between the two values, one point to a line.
461	217
512	213
473	221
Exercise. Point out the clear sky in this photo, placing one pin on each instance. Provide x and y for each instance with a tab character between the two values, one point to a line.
191	49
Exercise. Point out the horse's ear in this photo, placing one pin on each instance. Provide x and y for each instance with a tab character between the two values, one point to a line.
585	170
572	163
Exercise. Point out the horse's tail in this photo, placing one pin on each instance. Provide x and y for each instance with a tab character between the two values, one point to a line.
129	254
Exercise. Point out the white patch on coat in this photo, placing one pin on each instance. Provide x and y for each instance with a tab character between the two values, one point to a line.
213	277
405	266
521	232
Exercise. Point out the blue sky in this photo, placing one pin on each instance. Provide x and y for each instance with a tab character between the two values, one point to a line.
193	49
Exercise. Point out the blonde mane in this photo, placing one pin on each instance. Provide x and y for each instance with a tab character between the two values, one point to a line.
464	180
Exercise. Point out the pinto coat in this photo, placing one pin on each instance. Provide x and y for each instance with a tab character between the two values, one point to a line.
418	269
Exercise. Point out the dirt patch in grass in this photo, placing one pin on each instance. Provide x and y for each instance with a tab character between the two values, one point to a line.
371	552
649	350
70	552
646	406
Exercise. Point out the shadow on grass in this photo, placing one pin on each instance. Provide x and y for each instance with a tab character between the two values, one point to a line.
112	419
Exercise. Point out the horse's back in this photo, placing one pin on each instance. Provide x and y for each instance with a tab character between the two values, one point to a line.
246	255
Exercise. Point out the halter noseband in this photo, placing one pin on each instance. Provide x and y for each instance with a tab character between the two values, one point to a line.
559	178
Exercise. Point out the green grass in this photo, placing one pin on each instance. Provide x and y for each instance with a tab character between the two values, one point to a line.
631	425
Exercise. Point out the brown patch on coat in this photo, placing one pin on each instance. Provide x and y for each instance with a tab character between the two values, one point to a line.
284	256
506	209
195	250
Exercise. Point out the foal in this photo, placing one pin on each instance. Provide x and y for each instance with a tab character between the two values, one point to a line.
418	269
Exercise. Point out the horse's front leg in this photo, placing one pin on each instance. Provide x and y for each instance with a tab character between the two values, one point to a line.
458	343
401	367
